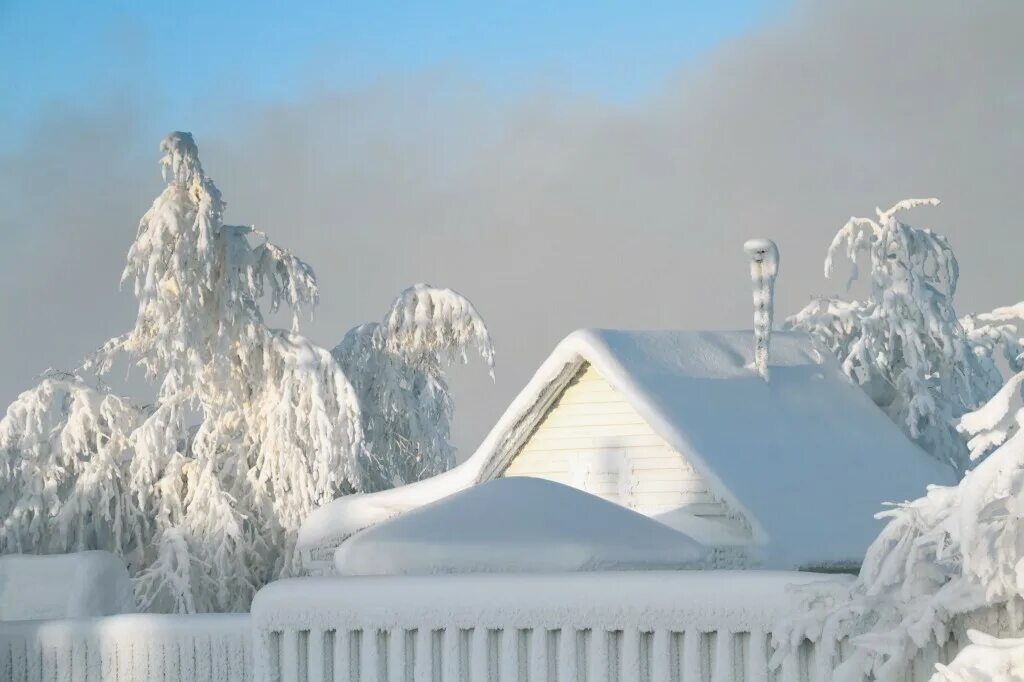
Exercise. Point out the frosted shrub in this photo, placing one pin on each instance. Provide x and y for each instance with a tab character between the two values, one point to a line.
904	344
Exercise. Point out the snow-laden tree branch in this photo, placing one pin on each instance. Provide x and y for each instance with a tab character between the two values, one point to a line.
904	344
398	370
1001	329
951	558
64	477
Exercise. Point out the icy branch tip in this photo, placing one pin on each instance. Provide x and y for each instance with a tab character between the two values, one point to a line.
181	157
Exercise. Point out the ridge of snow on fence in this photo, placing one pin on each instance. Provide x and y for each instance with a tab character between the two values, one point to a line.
638	626
128	648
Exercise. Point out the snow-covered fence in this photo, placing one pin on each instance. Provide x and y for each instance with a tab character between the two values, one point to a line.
131	647
638	626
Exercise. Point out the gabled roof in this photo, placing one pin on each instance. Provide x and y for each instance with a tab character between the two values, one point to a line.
807	458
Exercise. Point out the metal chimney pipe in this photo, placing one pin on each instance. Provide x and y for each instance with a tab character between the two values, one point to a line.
764	266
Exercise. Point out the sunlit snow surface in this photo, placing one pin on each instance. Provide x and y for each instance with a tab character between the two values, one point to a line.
74	585
512	525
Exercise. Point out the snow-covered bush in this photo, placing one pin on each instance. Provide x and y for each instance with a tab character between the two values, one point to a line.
951	558
904	344
397	368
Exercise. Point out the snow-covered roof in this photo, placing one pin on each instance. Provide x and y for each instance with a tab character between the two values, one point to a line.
516	525
806	457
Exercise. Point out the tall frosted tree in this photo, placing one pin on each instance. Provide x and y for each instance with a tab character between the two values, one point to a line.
904	344
203	491
398	370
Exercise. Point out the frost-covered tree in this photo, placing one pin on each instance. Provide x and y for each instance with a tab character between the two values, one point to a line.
952	558
252	428
203	491
397	368
904	344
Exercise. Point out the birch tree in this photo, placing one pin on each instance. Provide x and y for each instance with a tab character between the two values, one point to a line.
252	427
904	343
398	370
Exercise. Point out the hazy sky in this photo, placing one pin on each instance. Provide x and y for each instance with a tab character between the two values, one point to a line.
191	54
593	167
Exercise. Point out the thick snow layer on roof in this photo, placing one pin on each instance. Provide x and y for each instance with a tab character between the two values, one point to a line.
75	585
806	457
516	525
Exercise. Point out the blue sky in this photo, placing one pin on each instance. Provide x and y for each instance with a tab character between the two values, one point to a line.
180	55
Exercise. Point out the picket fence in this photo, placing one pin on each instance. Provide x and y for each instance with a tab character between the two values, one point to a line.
128	648
710	626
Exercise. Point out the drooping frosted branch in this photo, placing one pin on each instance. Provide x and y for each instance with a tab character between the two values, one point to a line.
398	371
64	476
436	325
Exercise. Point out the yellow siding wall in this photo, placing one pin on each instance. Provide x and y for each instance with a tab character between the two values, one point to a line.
594	440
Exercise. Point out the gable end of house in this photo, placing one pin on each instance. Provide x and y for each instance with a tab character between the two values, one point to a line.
591	437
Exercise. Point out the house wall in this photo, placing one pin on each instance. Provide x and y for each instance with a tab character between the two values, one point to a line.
594	440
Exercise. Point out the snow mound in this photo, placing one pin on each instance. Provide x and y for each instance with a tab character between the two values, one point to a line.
79	585
985	658
516	525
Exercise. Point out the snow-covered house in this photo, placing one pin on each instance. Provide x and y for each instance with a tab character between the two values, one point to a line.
676	425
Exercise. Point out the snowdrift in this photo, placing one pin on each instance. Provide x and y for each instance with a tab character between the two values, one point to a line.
83	584
514	525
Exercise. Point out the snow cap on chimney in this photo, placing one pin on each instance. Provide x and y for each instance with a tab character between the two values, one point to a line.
764	266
